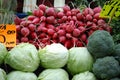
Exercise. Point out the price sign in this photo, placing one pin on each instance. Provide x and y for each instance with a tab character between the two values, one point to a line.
8	35
111	9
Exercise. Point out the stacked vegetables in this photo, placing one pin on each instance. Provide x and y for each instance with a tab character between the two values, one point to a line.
69	27
98	61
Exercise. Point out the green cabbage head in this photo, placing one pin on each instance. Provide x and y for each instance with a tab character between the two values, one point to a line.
80	60
3	53
53	74
84	76
2	74
19	75
23	57
53	56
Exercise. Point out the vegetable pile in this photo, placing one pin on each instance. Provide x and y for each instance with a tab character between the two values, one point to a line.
69	27
100	61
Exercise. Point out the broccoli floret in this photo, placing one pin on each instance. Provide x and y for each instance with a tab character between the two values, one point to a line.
100	44
106	68
115	79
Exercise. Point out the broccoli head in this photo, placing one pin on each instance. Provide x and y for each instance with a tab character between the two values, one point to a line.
115	79
106	68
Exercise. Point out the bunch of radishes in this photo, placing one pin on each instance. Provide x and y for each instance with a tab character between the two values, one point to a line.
69	27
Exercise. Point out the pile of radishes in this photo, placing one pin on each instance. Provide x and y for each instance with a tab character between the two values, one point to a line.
69	27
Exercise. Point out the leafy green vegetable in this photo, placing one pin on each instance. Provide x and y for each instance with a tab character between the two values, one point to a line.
106	68
53	56
3	53
100	44
23	57
53	74
19	75
79	60
115	24
84	76
2	74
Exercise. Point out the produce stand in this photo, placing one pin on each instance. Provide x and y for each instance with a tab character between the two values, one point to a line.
59	40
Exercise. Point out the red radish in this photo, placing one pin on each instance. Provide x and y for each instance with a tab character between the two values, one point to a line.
80	23
74	18
50	32
89	17
90	32
69	28
101	22
17	41
66	8
42	35
68	13
43	18
74	11
38	13
24	23
89	23
54	41
31	17
18	28
68	35
55	35
83	37
44	29
96	16
86	42
59	21
60	14
94	27
33	35
79	44
87	11
57	28
68	44
42	7
64	18
50	11
61	32
17	20
32	27
36	20
109	29
24	39
62	39
100	28
25	31
69	18
50	19
95	20
39	28
97	9
79	16
50	26
82	29
71	23
76	32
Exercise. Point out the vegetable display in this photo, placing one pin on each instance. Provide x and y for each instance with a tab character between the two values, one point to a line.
84	76
19	75
100	46
80	60
69	27
53	74
106	68
3	53
23	57
2	74
62	45
53	56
